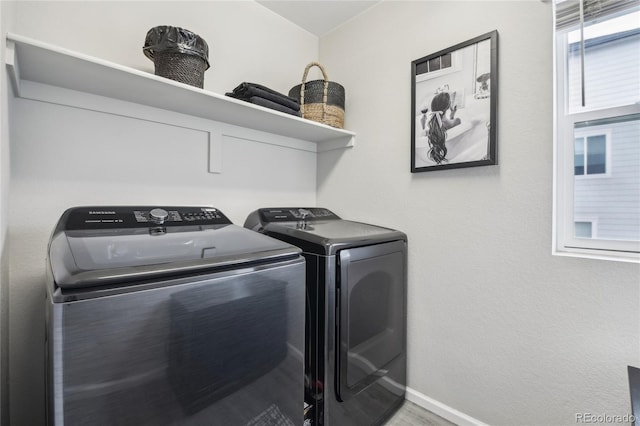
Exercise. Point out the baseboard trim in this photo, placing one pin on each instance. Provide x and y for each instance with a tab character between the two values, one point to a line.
441	409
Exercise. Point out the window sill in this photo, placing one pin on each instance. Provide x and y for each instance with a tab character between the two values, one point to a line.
610	255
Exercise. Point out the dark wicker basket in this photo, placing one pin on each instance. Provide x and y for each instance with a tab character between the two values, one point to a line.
177	54
320	100
188	69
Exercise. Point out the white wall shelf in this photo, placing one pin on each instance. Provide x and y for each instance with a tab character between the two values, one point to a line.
33	61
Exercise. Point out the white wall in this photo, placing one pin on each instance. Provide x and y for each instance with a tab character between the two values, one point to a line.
498	328
62	156
6	22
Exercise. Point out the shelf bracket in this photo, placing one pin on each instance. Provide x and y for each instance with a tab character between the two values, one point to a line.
11	59
339	143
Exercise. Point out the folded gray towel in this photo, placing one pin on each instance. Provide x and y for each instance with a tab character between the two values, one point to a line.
247	90
273	105
257	100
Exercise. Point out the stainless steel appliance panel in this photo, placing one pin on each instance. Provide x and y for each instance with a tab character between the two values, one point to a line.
379	383
371	306
356	318
219	349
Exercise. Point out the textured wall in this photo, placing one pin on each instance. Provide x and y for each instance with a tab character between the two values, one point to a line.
498	328
6	22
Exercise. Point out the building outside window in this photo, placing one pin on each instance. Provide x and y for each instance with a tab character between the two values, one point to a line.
591	153
597	141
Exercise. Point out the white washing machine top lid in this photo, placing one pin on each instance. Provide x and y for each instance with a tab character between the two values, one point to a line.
95	246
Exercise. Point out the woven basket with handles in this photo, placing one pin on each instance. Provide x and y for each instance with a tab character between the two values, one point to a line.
320	100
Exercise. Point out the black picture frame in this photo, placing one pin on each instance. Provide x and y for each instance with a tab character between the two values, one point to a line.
454	106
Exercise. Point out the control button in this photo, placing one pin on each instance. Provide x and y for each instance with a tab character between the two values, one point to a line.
304	213
174	216
158	216
140	216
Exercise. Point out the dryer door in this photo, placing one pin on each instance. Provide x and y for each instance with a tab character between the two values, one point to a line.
370	314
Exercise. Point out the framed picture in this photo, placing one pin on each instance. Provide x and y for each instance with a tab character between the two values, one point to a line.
454	94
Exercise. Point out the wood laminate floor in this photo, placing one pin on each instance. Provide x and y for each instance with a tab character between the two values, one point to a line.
411	414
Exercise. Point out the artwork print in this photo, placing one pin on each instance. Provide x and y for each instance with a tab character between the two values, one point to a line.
454	106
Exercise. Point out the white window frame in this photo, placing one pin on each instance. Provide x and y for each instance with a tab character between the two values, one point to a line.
564	241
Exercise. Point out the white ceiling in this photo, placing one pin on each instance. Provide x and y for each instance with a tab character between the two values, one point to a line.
318	16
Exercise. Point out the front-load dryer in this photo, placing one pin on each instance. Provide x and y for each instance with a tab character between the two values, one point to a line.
355	328
172	316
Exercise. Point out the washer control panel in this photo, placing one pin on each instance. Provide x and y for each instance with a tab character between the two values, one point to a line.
141	217
296	213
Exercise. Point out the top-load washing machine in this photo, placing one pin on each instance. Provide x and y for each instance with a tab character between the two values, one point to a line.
355	331
172	316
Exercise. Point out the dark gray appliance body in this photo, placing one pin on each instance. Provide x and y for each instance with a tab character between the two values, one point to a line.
172	316
355	332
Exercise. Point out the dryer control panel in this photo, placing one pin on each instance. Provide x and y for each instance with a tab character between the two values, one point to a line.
102	217
296	213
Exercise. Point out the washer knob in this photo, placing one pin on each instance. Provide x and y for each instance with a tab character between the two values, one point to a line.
158	216
304	213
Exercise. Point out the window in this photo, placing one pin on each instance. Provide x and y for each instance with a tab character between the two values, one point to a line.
597	141
434	64
591	154
584	229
